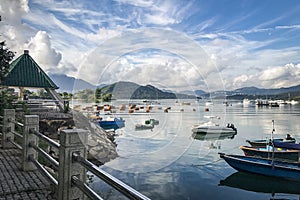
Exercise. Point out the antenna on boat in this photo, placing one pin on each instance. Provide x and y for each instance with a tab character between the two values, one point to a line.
273	151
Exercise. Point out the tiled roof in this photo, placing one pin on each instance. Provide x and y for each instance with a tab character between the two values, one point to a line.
25	72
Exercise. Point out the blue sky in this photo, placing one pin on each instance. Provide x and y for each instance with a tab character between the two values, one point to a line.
176	44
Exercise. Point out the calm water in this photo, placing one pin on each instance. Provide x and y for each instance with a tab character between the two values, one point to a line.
168	163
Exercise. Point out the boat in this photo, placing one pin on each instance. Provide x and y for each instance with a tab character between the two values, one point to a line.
149	124
285	145
246	102
279	153
262	102
261	184
144	126
264	143
112	123
212	127
152	121
266	167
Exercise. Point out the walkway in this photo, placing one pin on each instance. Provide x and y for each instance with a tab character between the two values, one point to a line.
16	184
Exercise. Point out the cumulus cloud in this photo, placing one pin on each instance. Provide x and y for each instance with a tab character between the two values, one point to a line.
42	51
130	56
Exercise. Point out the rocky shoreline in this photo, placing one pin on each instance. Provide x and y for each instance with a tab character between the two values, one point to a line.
101	146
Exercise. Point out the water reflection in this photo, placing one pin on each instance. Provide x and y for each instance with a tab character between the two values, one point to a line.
261	184
213	137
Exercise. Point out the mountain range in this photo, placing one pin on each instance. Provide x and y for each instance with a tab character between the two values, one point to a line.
131	90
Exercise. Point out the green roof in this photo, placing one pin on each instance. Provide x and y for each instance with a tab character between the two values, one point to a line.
25	72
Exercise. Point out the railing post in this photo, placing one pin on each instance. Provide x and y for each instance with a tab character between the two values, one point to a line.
8	126
71	141
30	122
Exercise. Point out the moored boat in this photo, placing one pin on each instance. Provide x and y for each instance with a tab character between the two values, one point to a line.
112	123
279	153
266	167
214	128
144	126
264	143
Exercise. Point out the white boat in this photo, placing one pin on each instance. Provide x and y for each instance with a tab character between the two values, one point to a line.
212	127
246	102
144	126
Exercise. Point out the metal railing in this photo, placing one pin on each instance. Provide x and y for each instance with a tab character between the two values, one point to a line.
106	177
71	167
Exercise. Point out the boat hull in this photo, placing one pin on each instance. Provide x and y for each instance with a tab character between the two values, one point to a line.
264	143
113	124
263	166
281	154
213	130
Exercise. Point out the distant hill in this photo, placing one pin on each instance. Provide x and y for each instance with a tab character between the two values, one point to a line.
262	91
69	84
129	90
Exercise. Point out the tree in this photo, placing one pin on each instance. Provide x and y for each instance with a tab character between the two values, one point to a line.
6	95
6	56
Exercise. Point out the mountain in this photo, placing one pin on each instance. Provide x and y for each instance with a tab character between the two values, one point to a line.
197	93
71	84
263	91
129	90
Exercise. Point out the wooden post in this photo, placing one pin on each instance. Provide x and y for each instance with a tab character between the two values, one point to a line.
8	127
71	141
31	122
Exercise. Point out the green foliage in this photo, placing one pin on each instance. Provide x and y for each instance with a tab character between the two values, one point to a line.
106	97
6	56
7	97
87	95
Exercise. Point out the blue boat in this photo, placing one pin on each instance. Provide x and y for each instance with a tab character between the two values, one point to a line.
267	152
286	145
112	123
264	143
263	166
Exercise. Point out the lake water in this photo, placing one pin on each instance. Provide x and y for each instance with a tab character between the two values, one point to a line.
168	163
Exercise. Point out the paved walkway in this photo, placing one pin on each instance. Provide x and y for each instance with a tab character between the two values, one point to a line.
16	184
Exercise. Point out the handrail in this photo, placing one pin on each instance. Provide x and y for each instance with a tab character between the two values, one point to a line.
16	122
109	179
45	138
86	189
14	143
43	170
46	155
16	134
1	117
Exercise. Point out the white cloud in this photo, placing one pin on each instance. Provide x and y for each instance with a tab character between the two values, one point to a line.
139	3
42	51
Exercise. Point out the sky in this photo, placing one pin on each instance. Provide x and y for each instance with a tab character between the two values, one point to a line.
172	44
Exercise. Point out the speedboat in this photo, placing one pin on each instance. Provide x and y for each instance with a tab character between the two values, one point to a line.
112	123
211	127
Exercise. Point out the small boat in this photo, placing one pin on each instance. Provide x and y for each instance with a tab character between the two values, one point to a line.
246	102
279	153
266	167
144	126
149	124
212	127
286	145
112	123
264	143
152	121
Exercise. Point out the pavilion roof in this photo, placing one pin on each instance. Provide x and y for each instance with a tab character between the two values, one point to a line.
25	72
